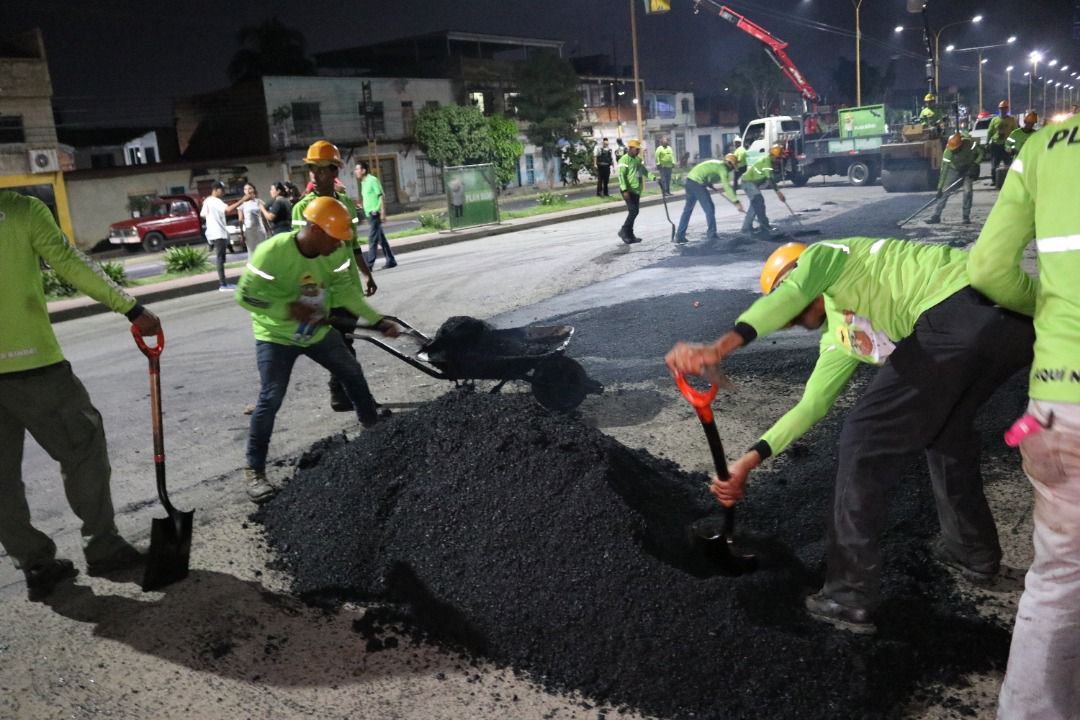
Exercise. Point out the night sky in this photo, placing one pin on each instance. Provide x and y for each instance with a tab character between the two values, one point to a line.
123	61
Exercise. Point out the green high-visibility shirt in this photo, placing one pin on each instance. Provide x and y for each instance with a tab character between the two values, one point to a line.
999	129
740	155
29	234
1039	202
298	220
761	171
631	170
665	156
371	194
1016	140
711	171
960	161
278	275
887	282
930	116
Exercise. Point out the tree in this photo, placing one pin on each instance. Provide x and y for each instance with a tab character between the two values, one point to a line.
758	78
875	83
271	48
455	135
506	146
549	102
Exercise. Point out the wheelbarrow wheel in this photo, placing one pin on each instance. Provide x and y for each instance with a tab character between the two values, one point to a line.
559	383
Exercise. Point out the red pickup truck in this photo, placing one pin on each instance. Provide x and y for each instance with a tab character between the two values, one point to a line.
170	219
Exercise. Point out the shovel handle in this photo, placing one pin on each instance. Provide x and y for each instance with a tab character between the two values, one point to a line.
702	402
150	351
700	399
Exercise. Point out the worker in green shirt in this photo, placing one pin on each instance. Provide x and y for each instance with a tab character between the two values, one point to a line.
1019	136
665	161
930	116
1001	126
290	287
1040	201
942	349
699	181
762	172
740	162
374	209
40	395
960	162
323	161
631	174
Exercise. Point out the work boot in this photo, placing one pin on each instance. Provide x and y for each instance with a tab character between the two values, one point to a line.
679	239
846	617
124	558
381	413
966	221
1005	579
933	220
43	577
258	489
339	400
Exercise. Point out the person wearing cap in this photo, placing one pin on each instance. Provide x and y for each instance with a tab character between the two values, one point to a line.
323	161
699	181
930	116
997	133
631	172
1020	135
289	287
960	162
213	213
1040	202
941	349
762	172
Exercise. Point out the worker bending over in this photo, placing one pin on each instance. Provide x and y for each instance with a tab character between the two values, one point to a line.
699	181
960	162
762	172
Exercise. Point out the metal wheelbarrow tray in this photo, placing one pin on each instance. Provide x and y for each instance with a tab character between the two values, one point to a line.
473	350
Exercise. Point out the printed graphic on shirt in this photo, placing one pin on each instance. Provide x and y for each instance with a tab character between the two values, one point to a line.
313	295
859	337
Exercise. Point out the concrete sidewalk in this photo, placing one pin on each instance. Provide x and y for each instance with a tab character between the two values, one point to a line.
60	310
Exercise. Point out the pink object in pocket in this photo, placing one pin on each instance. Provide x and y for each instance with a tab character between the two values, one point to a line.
1024	426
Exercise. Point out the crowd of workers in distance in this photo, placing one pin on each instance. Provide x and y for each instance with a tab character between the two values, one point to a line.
944	327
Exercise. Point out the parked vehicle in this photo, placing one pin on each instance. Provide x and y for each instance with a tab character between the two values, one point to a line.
982	127
171	219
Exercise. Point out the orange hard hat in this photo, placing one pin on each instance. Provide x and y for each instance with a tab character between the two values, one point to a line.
732	158
954	141
1003	105
322	153
776	151
1031	118
780	263
332	216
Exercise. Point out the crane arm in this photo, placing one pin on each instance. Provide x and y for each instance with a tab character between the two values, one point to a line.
774	46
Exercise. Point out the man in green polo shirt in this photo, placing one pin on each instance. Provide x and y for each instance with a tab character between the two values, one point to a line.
698	181
374	209
942	349
631	174
665	161
1040	201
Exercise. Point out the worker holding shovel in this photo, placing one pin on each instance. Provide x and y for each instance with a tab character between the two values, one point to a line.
698	182
942	349
762	172
40	394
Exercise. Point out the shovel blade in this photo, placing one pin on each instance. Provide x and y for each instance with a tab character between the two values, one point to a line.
170	550
709	538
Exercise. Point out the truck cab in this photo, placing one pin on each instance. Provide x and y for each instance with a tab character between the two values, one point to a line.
763	133
170	219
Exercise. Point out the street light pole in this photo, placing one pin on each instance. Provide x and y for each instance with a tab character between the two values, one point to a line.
979	49
980	79
1008	85
637	81
858	55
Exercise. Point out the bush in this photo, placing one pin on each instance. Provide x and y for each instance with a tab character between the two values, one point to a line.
551	198
56	286
186	259
116	273
432	221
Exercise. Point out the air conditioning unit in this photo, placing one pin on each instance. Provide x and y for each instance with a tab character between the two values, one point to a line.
44	161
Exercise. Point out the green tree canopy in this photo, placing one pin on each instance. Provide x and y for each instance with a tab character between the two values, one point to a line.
758	79
455	135
548	100
876	82
507	147
271	48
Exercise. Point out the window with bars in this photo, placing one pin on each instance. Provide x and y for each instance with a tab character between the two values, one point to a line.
428	177
11	129
307	119
373	119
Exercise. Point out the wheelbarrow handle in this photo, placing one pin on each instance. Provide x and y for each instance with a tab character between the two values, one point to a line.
149	351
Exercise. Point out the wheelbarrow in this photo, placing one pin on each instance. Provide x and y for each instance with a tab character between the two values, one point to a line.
466	350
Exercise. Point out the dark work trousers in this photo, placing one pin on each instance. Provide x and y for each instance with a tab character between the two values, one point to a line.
756	209
337	388
925	397
998	156
665	180
221	247
603	174
633	205
735	179
697	193
377	238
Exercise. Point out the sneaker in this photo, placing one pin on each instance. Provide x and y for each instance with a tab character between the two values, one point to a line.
228	287
258	489
249	409
339	400
126	557
846	617
933	220
389	265
1005	579
43	577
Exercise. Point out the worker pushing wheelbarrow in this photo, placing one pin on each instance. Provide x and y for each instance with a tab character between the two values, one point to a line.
466	349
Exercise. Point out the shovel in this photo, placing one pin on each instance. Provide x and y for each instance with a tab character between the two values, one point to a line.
170	537
802	231
912	216
715	540
663	197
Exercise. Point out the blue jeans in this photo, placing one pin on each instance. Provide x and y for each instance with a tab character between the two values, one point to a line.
697	193
377	237
276	362
756	209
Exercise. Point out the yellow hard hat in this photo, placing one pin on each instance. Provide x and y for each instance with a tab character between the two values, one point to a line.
780	263
929	97
1003	105
776	151
330	215
634	143
322	153
1031	118
954	141
731	158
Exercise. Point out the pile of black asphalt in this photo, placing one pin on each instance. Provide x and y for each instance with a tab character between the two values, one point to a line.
538	542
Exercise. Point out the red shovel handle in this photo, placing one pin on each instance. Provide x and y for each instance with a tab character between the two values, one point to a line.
147	350
701	400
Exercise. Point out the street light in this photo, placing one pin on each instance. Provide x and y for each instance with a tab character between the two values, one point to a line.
979	49
1008	85
1048	81
937	42
1035	57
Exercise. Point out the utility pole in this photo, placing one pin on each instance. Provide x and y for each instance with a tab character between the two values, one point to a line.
858	55
637	81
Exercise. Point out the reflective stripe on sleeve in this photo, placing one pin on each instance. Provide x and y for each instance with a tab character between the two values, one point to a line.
260	273
1065	243
343	267
1017	166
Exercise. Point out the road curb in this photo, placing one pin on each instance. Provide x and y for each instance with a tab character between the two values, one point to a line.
61	310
